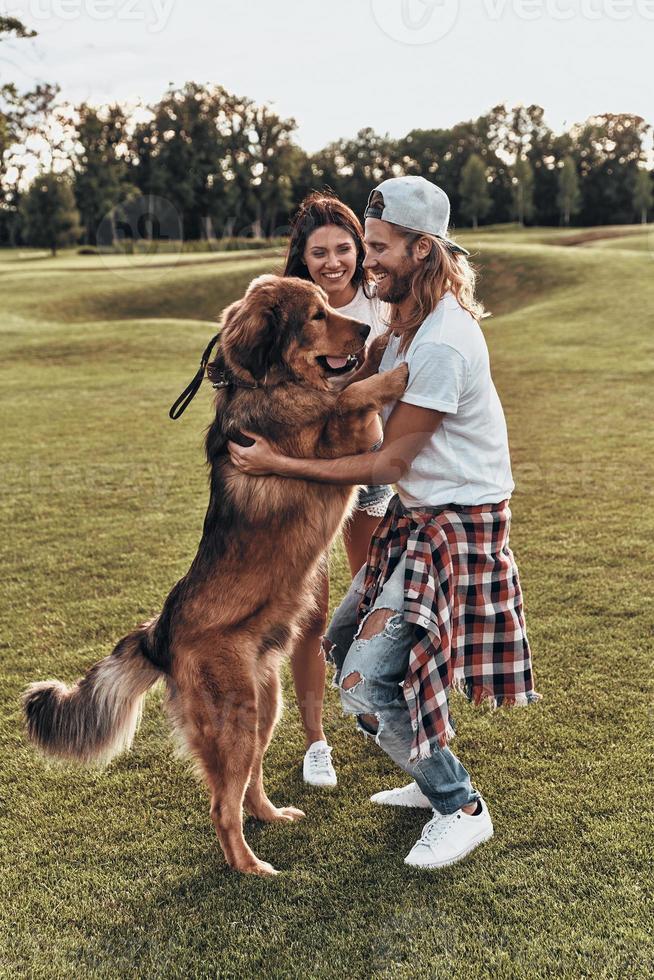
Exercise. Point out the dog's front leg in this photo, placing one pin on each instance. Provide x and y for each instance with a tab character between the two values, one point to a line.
348	429
371	394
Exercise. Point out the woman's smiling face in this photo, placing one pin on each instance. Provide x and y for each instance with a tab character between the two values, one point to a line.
331	257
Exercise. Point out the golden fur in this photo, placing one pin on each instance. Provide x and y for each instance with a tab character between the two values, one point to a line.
223	627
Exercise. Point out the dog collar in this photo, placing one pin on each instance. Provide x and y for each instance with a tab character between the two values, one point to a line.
226	380
223	380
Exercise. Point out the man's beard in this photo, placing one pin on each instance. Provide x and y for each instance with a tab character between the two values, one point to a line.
400	284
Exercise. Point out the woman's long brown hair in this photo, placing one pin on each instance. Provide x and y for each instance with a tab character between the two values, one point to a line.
318	210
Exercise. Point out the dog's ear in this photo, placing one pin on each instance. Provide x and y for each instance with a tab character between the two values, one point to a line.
251	335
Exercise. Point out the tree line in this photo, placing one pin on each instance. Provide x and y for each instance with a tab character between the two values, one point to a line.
213	164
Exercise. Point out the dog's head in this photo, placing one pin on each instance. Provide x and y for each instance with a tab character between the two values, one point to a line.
284	329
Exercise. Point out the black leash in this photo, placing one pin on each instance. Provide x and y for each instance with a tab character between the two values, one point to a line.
191	390
222	381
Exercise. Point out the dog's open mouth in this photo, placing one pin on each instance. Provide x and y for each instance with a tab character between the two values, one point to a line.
337	365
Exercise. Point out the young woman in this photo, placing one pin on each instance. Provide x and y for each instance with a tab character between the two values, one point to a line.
327	247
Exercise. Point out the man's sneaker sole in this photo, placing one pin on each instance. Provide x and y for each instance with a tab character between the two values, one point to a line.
433	866
393	797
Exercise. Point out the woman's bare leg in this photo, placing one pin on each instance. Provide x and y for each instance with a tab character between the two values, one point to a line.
308	666
269	703
308	661
356	536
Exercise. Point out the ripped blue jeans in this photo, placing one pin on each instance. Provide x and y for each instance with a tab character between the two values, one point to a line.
381	663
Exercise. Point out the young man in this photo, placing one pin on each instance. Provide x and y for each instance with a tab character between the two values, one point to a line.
439	602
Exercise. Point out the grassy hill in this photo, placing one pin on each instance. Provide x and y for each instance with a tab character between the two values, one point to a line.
117	873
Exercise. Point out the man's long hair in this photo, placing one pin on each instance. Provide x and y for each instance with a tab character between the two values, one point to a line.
441	271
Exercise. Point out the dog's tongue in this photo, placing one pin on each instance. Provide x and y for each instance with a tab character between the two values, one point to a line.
336	362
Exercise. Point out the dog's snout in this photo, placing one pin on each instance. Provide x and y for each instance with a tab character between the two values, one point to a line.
364	330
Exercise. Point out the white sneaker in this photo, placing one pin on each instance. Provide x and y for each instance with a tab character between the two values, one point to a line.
447	839
410	795
318	769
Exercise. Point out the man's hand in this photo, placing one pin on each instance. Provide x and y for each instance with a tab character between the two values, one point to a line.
259	459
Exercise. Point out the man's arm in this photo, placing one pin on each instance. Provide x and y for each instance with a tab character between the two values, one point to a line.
407	431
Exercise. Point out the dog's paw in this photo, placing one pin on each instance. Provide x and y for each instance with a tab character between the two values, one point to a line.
396	381
260	868
375	353
287	814
268	813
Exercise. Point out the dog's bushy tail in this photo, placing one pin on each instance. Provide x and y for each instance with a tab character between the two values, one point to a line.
98	716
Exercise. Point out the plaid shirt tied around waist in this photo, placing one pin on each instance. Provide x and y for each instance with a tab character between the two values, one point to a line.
462	593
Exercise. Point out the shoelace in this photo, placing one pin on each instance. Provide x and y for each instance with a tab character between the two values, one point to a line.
320	759
437	827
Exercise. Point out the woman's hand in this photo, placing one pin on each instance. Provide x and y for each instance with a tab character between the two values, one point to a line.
260	459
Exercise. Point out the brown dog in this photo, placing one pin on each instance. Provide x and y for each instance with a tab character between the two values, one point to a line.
284	359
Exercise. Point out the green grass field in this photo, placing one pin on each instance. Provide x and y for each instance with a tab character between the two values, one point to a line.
117	873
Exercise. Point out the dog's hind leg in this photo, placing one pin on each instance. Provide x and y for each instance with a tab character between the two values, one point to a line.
225	743
256	801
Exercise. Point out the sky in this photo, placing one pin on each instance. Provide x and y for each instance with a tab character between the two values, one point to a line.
336	66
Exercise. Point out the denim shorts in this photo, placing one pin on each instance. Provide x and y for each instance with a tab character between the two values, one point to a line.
374	500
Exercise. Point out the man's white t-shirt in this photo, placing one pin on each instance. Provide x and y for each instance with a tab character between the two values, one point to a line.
466	460
370	311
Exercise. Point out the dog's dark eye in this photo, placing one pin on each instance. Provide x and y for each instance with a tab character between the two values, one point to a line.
320	315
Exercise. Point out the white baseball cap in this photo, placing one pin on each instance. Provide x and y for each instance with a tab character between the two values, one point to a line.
416	204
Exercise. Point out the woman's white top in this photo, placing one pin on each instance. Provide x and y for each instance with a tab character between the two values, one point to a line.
370	311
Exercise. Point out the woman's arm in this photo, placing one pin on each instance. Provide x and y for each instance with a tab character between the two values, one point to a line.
407	431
